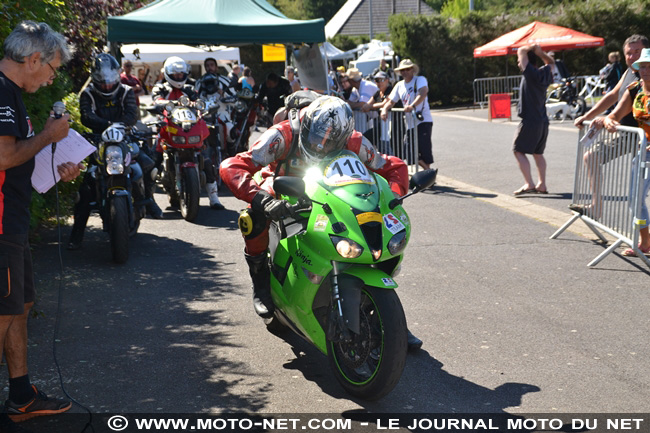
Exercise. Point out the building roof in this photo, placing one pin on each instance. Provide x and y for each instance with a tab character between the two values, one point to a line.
354	16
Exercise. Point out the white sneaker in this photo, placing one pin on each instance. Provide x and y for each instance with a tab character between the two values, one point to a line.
214	196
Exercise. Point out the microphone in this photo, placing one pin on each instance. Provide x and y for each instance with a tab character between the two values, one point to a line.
59	109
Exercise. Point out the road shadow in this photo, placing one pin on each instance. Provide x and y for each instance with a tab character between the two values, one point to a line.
147	336
441	189
425	387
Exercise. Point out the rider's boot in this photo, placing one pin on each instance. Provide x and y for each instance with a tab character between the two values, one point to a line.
153	210
261	276
413	343
214	196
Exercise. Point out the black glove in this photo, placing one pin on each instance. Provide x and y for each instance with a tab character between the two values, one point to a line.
272	208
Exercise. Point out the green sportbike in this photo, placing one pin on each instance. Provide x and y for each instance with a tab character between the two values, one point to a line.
332	268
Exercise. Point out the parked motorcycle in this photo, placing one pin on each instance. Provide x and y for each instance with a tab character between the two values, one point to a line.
181	138
332	269
111	166
243	114
567	91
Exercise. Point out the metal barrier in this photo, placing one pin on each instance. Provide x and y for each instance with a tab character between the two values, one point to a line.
610	172
485	86
396	135
589	86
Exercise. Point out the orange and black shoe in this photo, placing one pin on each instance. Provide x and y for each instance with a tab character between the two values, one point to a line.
40	405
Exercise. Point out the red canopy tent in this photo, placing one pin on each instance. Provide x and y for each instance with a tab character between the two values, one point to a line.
548	36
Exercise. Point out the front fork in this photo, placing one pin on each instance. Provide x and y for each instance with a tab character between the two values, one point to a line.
338	328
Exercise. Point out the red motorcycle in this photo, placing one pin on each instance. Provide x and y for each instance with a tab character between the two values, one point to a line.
180	139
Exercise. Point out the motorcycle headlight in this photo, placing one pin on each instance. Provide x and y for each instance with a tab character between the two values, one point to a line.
200	104
178	139
240	106
194	139
397	243
347	248
184	101
169	107
114	160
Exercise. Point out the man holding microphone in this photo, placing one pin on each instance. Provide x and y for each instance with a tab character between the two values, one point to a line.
32	54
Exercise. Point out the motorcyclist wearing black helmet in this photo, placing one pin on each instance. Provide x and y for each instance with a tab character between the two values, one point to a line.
106	101
325	126
176	73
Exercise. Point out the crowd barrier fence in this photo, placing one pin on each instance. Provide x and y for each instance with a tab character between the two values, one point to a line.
396	135
610	171
590	86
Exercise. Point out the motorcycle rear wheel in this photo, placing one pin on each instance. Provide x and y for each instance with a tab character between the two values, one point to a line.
189	196
119	229
371	364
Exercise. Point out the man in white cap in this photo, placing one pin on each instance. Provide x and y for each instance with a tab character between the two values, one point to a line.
412	91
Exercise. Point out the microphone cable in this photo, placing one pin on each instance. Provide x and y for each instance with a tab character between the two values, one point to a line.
57	317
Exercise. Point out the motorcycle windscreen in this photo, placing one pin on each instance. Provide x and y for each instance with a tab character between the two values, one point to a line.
345	176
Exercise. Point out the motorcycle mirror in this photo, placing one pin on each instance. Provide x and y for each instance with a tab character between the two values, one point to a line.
423	180
289	186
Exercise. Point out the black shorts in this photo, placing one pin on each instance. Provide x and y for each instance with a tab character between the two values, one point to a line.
531	137
16	275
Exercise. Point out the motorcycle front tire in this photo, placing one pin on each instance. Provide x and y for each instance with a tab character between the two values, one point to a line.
190	194
577	106
371	364
119	229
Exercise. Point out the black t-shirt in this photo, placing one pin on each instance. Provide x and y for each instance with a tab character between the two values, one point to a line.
15	183
532	94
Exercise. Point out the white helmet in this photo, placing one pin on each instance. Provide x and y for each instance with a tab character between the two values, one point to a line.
176	71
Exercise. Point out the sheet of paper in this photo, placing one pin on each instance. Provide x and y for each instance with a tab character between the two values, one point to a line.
590	136
74	148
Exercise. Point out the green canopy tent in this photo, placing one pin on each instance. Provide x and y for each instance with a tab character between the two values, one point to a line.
228	22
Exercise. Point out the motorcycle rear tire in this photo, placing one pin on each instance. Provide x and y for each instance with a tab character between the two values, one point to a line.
189	196
371	365
119	229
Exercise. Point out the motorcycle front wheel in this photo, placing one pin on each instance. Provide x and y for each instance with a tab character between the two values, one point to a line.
370	365
577	107
189	196
119	231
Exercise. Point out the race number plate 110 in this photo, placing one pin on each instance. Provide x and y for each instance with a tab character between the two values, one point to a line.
346	170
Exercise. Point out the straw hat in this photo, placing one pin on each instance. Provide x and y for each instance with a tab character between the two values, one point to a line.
354	74
645	58
406	64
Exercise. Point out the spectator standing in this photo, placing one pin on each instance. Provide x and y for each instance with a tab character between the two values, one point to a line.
359	102
383	67
559	69
143	76
275	89
632	48
290	75
376	103
412	91
533	129
246	81
131	80
636	100
32	54
612	72
233	76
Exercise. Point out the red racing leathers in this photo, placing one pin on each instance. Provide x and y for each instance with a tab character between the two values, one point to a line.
273	147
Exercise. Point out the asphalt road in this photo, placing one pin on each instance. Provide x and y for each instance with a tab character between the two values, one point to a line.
512	322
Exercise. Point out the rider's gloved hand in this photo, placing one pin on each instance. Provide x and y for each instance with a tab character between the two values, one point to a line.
275	209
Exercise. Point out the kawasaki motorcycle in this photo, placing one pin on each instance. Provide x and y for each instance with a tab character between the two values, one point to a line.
332	269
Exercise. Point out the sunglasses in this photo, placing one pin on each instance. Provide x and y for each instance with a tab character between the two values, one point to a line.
54	74
379	80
